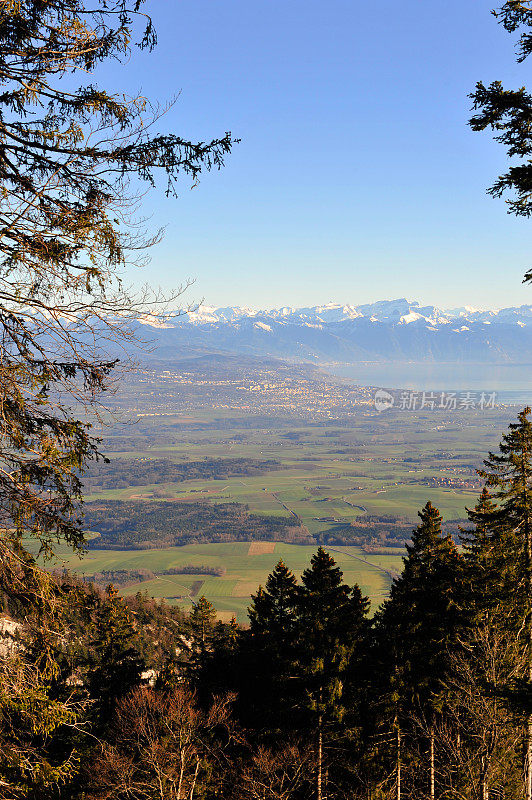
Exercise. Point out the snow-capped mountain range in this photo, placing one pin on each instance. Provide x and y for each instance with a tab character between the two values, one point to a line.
392	330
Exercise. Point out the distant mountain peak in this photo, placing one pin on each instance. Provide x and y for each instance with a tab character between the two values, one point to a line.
389	330
401	310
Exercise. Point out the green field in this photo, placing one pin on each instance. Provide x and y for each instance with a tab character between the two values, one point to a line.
318	485
321	495
332	471
231	593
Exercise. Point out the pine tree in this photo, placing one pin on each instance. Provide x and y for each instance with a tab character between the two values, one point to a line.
508	473
201	634
201	622
74	156
482	558
421	613
115	666
331	621
220	671
272	612
416	628
269	652
508	113
38	750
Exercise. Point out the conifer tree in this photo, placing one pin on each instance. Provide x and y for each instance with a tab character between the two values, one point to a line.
37	752
331	622
508	474
508	113
201	621
219	671
273	610
481	551
115	666
422	604
201	625
416	627
71	159
74	156
269	651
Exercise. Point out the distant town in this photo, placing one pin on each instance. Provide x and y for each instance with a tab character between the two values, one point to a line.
264	390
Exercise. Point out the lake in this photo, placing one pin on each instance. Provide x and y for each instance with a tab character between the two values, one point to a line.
511	382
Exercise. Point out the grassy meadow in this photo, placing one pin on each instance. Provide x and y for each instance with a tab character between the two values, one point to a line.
247	565
331	472
371	466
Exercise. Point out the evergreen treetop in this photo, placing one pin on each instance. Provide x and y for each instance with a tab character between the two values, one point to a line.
421	616
273	608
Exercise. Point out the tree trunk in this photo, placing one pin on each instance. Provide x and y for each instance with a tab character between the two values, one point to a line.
320	757
432	771
181	774
484	791
398	774
528	754
191	797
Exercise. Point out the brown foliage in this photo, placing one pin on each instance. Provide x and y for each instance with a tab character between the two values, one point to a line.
284	774
162	745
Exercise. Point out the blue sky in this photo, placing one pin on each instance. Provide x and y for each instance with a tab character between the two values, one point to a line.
357	177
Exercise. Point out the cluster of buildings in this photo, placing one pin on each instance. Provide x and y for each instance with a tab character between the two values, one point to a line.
262	391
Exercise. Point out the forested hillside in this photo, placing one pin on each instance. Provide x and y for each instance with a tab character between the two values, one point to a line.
312	698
